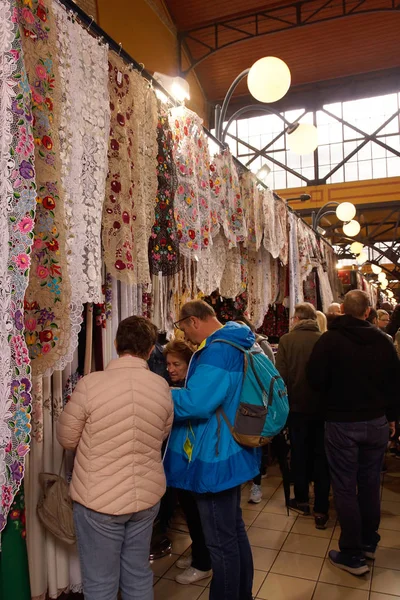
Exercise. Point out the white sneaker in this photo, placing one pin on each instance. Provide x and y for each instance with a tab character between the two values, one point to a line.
191	575
255	494
184	562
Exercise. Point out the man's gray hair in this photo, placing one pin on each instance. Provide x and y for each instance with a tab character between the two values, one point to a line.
197	308
356	303
304	311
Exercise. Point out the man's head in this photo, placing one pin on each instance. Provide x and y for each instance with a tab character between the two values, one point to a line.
383	319
356	304
136	336
334	309
197	320
304	312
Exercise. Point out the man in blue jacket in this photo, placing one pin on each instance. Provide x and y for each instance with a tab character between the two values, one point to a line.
203	457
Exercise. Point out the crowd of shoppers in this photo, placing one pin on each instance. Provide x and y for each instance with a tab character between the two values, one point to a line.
342	376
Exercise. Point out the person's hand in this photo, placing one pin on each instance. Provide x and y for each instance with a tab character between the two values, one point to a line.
392	428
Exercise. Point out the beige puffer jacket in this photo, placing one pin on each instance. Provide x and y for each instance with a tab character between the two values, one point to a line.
117	419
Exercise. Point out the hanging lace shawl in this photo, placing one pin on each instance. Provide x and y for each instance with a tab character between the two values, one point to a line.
253	209
270	240
49	294
281	230
192	199
295	279
226	200
259	288
304	250
231	282
163	244
17	206
211	266
325	288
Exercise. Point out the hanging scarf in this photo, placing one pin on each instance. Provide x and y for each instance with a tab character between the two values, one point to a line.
17	212
49	293
252	203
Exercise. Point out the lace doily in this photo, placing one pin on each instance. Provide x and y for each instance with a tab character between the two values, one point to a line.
211	266
192	198
295	277
17	206
226	200
253	209
49	294
163	244
281	230
270	240
231	282
259	287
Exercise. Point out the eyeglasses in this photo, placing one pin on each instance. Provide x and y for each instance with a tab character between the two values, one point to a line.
176	324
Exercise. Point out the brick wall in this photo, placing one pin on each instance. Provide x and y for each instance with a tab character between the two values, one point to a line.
89	6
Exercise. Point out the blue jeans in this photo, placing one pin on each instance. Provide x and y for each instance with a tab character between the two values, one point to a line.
114	553
228	544
355	454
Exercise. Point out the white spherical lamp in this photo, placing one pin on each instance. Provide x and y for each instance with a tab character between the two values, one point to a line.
346	211
382	277
384	285
390	294
352	228
269	79
376	269
356	248
303	139
362	258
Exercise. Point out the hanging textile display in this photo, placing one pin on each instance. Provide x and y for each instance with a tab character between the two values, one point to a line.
226	199
281	230
48	295
192	199
252	204
17	212
163	244
259	287
295	279
325	288
211	266
231	282
270	241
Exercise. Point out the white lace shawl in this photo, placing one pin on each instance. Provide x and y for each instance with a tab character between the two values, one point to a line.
253	208
296	294
211	266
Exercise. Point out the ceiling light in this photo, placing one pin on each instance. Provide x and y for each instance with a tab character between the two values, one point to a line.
376	269
390	293
352	228
362	258
176	86
302	138
346	211
384	285
321	230
382	277
269	79
356	248
263	172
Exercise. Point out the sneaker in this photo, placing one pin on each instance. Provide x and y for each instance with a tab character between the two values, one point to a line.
160	548
302	508
369	552
255	494
321	521
191	575
184	562
352	564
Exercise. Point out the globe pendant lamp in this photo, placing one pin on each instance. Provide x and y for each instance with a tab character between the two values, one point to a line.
384	285
352	228
346	211
362	258
269	79
376	269
390	294
382	277
356	248
302	138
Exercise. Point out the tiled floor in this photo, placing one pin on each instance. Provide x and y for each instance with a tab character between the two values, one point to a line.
290	555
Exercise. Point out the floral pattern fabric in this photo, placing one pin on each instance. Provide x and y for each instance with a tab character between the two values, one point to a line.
17	212
252	202
48	295
211	266
192	199
259	287
231	282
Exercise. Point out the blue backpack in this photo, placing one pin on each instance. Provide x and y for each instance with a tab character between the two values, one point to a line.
263	408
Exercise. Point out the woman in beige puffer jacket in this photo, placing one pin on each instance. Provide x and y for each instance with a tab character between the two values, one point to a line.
117	421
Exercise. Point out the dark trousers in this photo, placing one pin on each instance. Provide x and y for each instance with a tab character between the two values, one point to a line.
308	460
200	554
355	453
228	544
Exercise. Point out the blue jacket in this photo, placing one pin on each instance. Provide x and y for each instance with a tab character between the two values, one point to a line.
202	455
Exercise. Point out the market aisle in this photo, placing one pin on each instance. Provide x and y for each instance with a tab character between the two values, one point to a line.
290	555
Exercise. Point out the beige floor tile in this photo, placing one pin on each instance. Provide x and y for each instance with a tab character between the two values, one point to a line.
389	539
249	516
336	532
392	523
391	495
336	576
277	507
266	538
162	565
259	578
377	596
276	522
297	565
390	508
174	571
180	541
281	587
326	591
306	526
306	544
170	590
245	505
386	581
272	480
388	558
263	558
204	596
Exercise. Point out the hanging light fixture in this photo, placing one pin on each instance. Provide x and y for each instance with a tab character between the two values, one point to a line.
352	228
362	258
263	172
376	269
356	248
302	138
176	86
384	285
269	79
390	293
346	211
382	277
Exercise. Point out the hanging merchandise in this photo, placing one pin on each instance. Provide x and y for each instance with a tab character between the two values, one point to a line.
192	199
253	209
211	266
259	288
231	282
281	229
163	244
270	240
325	288
226	200
295	277
305	250
17	211
48	295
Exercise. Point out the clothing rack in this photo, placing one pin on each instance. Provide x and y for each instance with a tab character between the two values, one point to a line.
92	27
